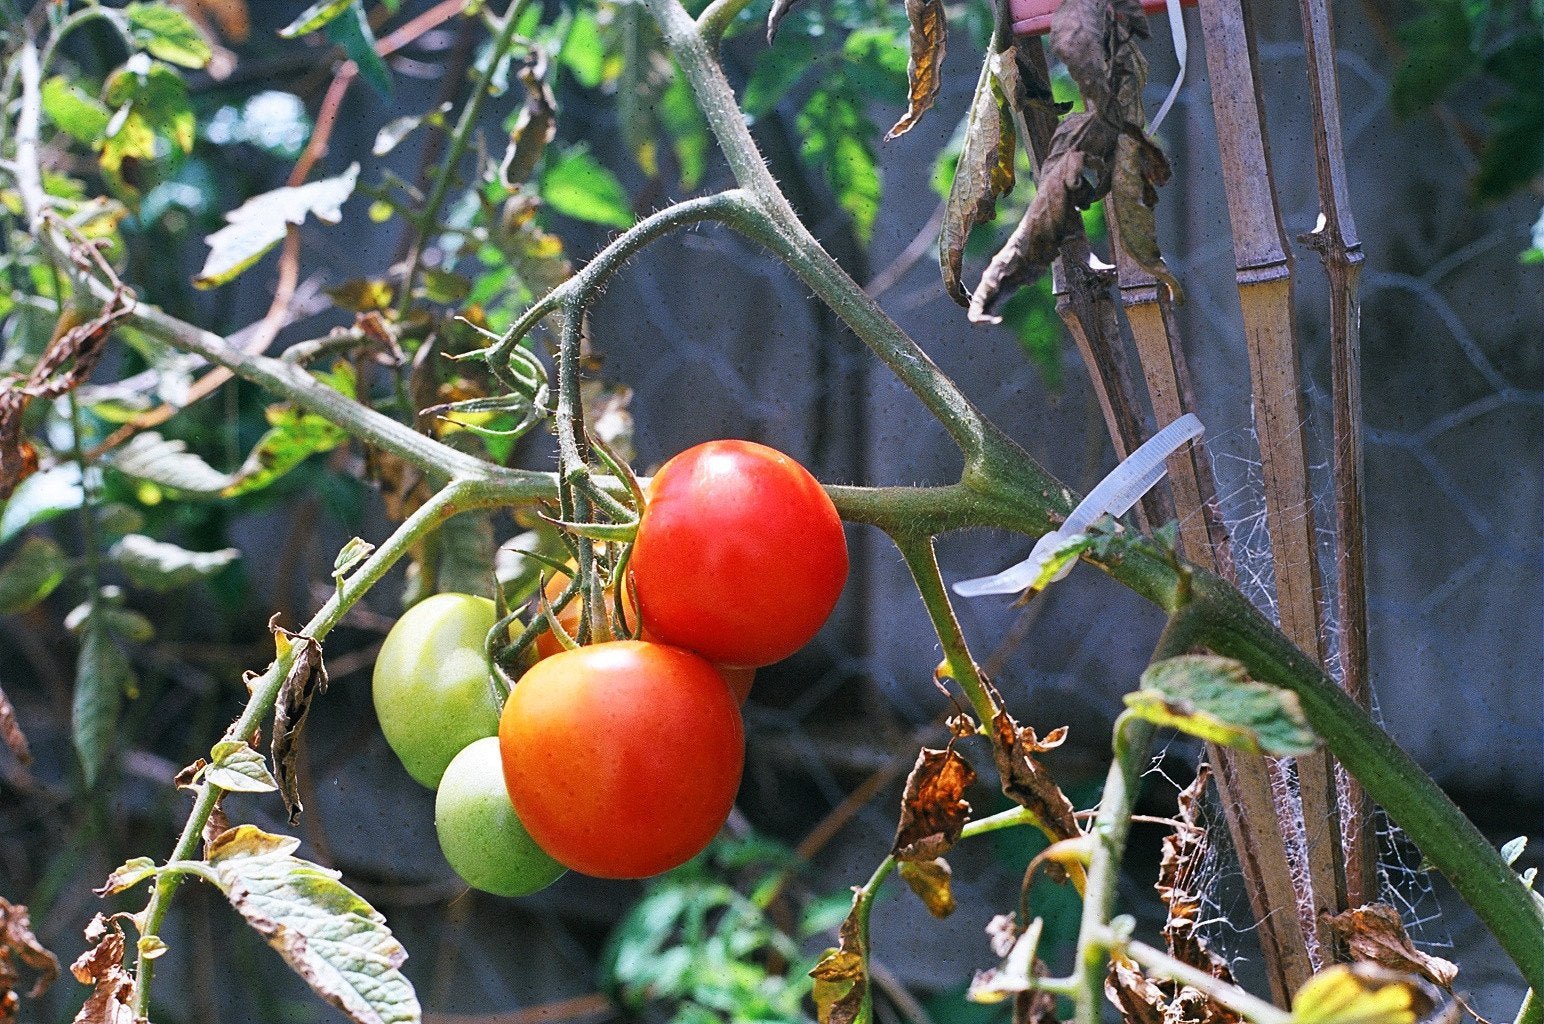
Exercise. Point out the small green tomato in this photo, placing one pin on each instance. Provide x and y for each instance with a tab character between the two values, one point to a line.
433	689
479	833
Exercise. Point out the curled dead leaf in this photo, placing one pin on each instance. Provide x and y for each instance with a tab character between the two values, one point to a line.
933	809
10	732
841	976
307	677
983	175
20	948
1375	933
101	966
534	127
924	69
1027	783
930	880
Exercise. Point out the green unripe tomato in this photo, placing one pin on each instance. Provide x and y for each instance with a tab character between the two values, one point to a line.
433	688
479	833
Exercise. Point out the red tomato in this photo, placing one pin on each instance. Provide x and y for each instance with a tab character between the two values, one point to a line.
622	759
740	554
568	616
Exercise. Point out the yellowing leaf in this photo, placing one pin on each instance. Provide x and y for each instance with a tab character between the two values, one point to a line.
930	880
1215	699
1362	994
924	70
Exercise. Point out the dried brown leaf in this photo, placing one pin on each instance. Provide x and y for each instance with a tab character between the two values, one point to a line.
1076	173
19	947
307	677
983	175
217	825
10	732
188	777
231	15
1183	852
1138	998
933	808
1375	933
1140	167
924	70
841	976
1026	782
1035	1006
930	880
112	988
534	128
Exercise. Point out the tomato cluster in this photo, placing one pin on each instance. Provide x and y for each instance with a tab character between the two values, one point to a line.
620	759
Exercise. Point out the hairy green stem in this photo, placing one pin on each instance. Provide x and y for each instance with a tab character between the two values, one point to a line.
917	550
457	496
460	138
1132	739
716	18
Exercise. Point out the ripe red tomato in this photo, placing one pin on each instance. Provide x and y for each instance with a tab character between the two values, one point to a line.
740	554
622	759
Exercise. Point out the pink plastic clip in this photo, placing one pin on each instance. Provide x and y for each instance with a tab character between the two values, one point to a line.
1033	17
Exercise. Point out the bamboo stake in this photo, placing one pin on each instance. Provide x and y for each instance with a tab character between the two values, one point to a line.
1243	782
1340	249
1264	275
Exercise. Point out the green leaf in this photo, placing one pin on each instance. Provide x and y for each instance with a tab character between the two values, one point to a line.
168	34
237	768
576	185
259	224
127	875
314	17
41	497
838	139
352	32
150	101
156	565
444	286
326	932
583	52
1215	699
778	70
102	676
31	575
688	132
1440	56
295	435
1031	314
350	558
80	116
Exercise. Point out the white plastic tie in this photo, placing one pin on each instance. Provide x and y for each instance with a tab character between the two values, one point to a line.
1114	496
1177	33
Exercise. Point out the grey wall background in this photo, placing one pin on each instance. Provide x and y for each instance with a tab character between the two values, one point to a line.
719	341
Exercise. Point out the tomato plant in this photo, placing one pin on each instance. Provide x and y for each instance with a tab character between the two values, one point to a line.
480	834
547	643
432	687
740	554
622	758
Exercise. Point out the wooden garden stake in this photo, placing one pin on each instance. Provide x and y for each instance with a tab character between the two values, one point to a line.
1340	249
1264	275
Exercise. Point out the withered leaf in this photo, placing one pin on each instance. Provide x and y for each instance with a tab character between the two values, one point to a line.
126	876
1364	993
841	976
1015	975
189	776
19	947
1090	37
775	16
112	988
933	808
1183	852
983	175
1075	174
1035	1006
930	880
1134	994
535	126
10	732
307	677
1140	168
217	825
1375	933
924	69
1026	782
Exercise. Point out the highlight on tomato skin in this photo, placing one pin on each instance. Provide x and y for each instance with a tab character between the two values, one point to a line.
622	759
740	554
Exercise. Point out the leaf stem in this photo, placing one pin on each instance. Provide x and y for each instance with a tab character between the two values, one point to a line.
460	137
917	550
457	496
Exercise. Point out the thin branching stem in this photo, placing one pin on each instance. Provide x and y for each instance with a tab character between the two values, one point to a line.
917	550
457	496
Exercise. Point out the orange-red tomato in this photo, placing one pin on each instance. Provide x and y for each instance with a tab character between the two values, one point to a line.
622	759
568	616
740	554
